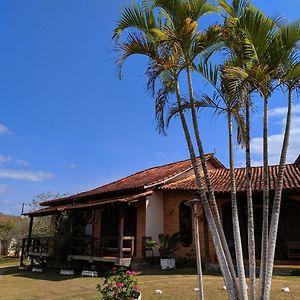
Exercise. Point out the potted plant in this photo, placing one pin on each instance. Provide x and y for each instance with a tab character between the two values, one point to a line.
167	246
120	284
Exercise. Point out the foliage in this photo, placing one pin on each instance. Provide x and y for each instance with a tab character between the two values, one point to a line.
119	284
6	231
11	234
62	236
167	244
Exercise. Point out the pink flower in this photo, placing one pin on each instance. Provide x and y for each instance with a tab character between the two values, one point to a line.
137	288
119	284
114	269
131	273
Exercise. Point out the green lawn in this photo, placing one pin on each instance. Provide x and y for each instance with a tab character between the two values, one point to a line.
7	261
23	285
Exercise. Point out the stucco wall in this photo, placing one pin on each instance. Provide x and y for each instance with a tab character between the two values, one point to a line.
172	201
155	216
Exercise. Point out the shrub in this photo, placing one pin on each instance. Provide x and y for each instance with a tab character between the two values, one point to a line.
119	284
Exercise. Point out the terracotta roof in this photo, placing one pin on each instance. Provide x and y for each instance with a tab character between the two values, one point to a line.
141	179
221	179
59	208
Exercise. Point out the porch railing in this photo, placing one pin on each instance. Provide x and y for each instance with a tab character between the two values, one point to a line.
85	246
37	246
90	246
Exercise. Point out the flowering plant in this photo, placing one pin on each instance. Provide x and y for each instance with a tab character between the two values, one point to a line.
119	284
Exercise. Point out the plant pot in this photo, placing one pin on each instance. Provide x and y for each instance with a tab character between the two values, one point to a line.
167	263
67	272
139	297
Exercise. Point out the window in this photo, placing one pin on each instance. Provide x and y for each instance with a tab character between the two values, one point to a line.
185	224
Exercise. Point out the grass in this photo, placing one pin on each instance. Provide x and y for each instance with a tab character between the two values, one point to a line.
179	284
7	261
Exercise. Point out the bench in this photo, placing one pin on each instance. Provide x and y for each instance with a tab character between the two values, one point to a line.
293	249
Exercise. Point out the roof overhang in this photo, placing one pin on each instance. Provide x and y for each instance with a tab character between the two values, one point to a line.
93	204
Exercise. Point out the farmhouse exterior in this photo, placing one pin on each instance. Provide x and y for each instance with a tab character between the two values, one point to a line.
111	222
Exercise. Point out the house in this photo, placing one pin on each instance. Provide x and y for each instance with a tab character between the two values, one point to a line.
110	223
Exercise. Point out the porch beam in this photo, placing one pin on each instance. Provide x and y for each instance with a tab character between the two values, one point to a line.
121	232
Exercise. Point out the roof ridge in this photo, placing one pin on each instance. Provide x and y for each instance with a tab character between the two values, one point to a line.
94	190
148	169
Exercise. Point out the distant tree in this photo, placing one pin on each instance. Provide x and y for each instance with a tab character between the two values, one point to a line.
42	226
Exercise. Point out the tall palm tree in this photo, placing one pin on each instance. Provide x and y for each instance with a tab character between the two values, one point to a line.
232	37
225	89
267	52
288	38
267	47
150	37
182	19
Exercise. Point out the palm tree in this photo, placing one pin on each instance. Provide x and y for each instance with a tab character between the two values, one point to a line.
226	90
140	43
288	38
182	18
232	37
266	50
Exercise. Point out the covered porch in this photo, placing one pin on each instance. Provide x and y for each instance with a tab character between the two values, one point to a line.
288	238
99	231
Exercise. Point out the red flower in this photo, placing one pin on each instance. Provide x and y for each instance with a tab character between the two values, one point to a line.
119	284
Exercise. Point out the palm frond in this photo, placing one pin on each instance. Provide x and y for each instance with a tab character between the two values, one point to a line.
134	44
135	16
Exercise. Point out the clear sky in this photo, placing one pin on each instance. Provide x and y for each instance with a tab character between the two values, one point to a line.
68	124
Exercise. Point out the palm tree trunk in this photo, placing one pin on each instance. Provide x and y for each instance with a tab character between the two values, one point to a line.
235	217
195	207
265	234
210	219
251	237
212	199
277	199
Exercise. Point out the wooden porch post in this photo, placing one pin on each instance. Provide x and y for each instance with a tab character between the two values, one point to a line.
29	234
121	232
22	252
92	236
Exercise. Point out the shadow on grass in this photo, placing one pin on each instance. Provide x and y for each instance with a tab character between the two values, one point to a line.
48	275
155	270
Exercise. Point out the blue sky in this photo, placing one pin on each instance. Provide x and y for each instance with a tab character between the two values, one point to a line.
67	123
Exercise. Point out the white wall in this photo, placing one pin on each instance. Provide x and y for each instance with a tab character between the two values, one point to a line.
155	215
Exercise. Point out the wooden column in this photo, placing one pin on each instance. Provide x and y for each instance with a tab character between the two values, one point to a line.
92	235
121	232
22	252
29	234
